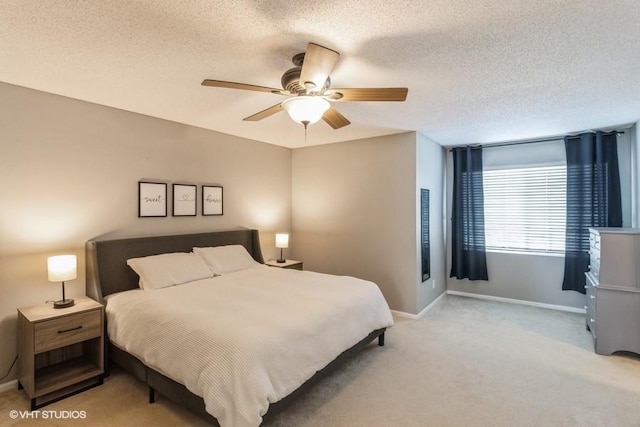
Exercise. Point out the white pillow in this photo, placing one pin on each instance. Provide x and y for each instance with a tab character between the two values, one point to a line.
227	259
160	271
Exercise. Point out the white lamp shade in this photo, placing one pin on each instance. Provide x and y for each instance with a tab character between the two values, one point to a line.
305	108
282	240
62	267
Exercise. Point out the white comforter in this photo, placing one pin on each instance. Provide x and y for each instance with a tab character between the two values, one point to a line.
249	338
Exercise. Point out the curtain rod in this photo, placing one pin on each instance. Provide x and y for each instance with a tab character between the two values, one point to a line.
529	141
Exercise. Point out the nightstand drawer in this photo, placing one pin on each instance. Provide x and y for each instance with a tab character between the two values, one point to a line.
67	330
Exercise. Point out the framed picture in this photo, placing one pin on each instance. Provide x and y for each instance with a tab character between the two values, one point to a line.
184	199
211	200
152	199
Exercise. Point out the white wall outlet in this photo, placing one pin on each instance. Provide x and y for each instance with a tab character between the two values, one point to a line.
433	284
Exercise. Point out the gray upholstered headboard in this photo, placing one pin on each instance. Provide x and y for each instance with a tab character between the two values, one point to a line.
107	269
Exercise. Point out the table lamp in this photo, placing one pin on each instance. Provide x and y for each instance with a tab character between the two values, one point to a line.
282	241
61	268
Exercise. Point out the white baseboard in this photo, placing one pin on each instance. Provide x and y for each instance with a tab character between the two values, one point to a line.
10	385
422	312
397	313
519	301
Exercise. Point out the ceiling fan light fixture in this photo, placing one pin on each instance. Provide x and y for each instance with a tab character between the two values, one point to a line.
306	109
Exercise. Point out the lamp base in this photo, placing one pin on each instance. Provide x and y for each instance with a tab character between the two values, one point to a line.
281	260
63	303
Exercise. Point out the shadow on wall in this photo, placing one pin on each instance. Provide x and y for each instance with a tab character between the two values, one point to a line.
8	327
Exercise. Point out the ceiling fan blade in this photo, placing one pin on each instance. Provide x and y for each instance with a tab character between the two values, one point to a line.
369	94
317	65
264	113
335	119
233	85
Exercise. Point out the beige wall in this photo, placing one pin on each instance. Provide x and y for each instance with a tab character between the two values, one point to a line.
430	174
69	172
635	174
355	212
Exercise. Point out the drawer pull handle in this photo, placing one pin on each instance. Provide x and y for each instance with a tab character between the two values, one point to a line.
69	330
592	296
593	320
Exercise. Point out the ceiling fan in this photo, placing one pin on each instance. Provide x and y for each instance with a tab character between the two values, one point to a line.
307	87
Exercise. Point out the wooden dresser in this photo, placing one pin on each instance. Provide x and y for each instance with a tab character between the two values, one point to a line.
613	289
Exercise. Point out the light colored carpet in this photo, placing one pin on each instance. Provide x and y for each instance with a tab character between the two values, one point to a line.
466	363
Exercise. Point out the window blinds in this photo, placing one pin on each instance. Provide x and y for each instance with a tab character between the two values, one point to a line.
525	209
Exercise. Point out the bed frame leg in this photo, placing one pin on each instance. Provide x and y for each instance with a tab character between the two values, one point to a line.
381	339
152	395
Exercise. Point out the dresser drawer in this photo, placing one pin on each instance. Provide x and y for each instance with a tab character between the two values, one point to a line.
67	330
594	255
591	323
594	261
591	307
594	241
591	297
591	284
591	304
594	269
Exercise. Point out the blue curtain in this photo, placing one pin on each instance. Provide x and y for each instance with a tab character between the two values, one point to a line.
593	198
468	258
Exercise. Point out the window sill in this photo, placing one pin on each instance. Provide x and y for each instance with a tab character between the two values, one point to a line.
514	252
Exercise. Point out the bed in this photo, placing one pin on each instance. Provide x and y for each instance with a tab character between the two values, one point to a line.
248	351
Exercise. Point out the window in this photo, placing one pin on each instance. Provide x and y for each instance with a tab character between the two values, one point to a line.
525	209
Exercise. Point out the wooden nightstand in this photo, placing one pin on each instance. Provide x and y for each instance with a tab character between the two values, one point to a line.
60	351
290	263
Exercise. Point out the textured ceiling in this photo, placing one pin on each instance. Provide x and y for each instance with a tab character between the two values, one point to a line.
477	71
